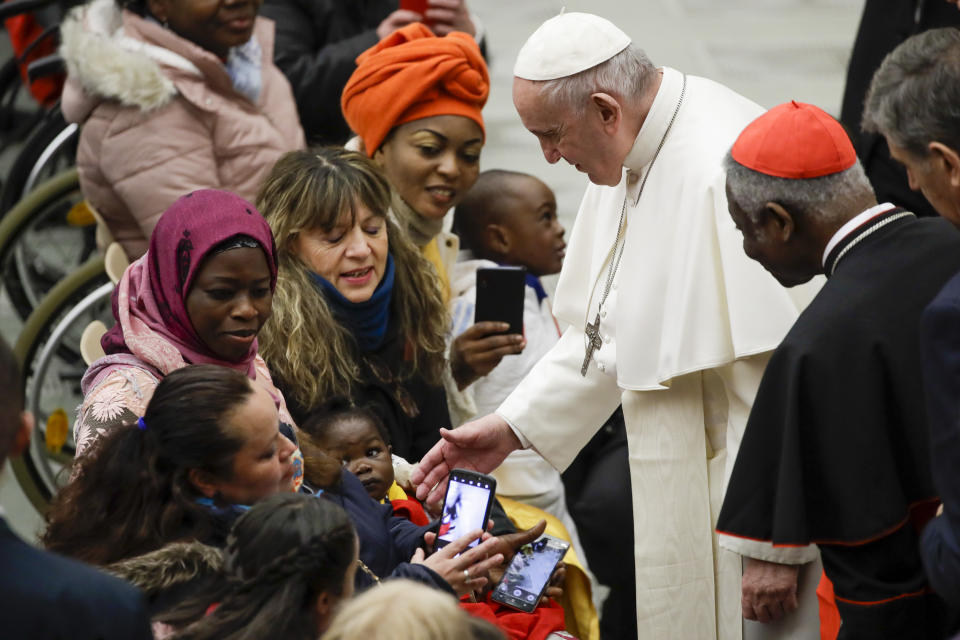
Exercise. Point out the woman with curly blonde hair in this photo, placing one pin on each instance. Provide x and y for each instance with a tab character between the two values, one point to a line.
357	314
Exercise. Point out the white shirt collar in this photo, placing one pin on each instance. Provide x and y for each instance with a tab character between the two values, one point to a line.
852	224
656	122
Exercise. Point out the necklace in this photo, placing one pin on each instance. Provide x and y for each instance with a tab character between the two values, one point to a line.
876	227
363	567
592	330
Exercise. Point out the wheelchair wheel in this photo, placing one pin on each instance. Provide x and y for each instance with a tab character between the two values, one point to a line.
42	239
50	149
52	381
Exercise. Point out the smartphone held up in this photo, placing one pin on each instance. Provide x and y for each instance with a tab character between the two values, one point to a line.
417	6
500	296
529	573
466	506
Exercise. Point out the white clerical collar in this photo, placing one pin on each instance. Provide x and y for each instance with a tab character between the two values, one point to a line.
851	224
657	120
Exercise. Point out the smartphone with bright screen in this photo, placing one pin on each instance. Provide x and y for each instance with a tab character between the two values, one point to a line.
529	573
466	507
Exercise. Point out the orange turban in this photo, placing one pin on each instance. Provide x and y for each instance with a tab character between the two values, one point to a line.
413	74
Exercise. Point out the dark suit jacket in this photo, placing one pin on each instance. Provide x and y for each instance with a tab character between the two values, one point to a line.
44	596
940	339
884	25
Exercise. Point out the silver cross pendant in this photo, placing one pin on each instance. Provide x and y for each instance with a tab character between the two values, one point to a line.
593	343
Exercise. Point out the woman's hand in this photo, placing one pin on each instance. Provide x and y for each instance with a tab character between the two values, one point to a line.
397	19
445	16
466	572
476	351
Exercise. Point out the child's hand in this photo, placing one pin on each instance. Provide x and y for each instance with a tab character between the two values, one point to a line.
476	351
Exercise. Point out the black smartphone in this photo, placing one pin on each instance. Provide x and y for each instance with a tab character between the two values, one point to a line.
466	506
500	293
529	573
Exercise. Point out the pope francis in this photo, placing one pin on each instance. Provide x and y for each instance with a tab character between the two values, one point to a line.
666	314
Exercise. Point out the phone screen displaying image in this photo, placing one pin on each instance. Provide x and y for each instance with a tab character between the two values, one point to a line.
529	572
465	508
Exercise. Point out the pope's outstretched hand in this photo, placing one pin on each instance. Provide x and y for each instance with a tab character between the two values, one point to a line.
480	445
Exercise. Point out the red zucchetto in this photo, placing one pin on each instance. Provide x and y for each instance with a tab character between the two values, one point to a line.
794	140
413	74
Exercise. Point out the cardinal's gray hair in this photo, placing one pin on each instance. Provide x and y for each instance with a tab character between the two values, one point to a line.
824	197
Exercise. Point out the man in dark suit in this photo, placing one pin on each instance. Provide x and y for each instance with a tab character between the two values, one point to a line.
836	449
913	102
44	596
883	26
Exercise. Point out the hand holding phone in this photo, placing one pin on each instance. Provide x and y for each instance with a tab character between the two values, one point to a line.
466	506
500	296
464	569
417	6
529	573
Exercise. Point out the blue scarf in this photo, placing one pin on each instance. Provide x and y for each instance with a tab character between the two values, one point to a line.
367	320
229	510
534	283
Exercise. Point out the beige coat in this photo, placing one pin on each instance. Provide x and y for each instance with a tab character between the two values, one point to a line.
160	118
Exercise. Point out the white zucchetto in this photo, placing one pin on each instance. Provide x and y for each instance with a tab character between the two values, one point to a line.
567	44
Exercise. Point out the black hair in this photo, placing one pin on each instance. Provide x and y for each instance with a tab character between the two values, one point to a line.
482	206
280	556
238	241
318	423
138	478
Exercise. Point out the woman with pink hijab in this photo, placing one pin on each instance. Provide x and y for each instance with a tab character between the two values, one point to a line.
199	295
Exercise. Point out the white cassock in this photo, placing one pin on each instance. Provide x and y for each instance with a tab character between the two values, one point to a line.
687	330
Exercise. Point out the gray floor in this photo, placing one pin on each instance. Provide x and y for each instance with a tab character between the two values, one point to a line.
769	50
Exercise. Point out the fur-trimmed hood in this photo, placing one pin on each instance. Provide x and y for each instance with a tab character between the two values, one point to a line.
103	62
113	54
169	567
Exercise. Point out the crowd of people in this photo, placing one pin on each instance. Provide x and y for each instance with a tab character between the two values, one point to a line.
761	352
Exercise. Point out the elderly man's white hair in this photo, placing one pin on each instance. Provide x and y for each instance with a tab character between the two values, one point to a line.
626	75
828	197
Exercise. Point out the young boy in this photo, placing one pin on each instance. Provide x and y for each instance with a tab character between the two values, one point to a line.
356	438
510	218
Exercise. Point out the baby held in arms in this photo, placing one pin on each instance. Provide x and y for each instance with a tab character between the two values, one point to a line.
358	439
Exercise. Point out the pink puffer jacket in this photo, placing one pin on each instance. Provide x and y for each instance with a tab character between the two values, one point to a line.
160	118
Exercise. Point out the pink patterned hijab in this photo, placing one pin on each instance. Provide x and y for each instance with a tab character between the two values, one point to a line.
149	303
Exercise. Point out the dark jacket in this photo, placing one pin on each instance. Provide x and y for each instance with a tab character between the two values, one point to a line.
940	340
386	541
317	43
883	26
44	596
412	410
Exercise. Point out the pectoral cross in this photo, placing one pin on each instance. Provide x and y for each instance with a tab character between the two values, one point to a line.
593	343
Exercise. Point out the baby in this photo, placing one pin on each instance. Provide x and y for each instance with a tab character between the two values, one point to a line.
357	438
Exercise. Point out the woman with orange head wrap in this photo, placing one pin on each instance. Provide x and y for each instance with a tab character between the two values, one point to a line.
415	102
